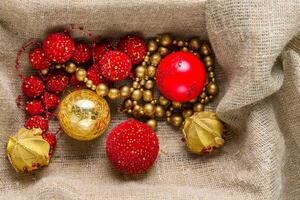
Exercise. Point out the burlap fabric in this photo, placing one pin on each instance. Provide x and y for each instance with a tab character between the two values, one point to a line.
257	48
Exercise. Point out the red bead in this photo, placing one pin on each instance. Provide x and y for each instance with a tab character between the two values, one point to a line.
37	121
82	53
51	139
100	49
180	76
134	46
115	65
59	47
38	60
34	107
94	74
32	86
57	82
50	101
132	147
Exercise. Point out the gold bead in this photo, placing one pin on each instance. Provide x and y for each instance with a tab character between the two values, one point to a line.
195	44
149	84
142	82
211	74
187	113
206	99
149	109
152	45
203	95
140	71
176	120
129	111
85	79
208	61
168	113
89	83
163	101
93	87
147	59
135	85
159	111
185	49
198	107
151	70
125	91
147	95
163	51
58	66
176	105
197	54
102	89
113	93
70	67
137	108
155	59
166	40
136	95
212	88
45	71
180	43
202	101
128	104
134	103
80	74
169	119
152	123
205	49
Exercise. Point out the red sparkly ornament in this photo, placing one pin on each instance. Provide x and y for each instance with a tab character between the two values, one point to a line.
34	107
82	53
132	147
50	101
38	60
100	49
134	46
32	86
94	74
115	65
180	76
59	47
75	83
51	139
37	121
57	82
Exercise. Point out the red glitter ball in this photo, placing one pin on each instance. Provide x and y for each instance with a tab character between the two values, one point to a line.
50	101
180	76
37	121
57	82
82	53
132	147
100	49
51	139
32	86
38	60
75	83
59	47
134	46
115	65
94	74
34	107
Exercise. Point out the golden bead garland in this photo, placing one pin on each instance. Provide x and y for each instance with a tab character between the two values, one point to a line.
139	97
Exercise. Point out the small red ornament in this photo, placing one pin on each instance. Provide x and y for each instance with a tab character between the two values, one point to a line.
34	107
134	46
32	86
132	147
82	53
94	74
38	60
180	76
75	83
115	65
59	47
100	49
57	82
50	101
51	139
37	121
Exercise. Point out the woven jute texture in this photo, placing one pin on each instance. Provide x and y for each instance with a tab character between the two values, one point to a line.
257	46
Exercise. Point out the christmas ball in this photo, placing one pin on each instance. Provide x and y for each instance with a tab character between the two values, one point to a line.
34	107
57	82
83	115
94	74
100	49
132	147
51	139
32	86
115	65
180	76
37	121
38	60
82	52
50	101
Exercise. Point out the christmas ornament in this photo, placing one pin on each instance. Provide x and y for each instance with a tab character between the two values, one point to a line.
37	121
94	74
50	101
134	46
203	132
83	115
75	83
38	60
59	47
100	49
32	86
181	76
115	65
27	150
57	82
132	147
34	107
51	139
82	52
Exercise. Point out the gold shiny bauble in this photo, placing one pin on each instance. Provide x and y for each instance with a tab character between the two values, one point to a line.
176	105
185	49
70	67
89	83
93	87
151	70
58	66
212	88
180	43
163	51
152	45
128	104
208	61
187	113
152	123
83	115
176	120
102	89
159	111
155	59
136	95
125	91
135	85
45	71
149	109
140	71
149	84
203	132
198	107
195	44
147	95
205	49
163	101
166	40
80	74
113	93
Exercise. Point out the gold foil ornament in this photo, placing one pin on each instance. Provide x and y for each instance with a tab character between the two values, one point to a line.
83	115
203	132
27	150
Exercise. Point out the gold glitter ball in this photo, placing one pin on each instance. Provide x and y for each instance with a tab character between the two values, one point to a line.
83	115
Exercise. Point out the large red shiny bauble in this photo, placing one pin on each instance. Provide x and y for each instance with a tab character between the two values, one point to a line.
180	76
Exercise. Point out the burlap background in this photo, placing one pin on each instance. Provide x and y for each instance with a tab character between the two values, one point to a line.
257	47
